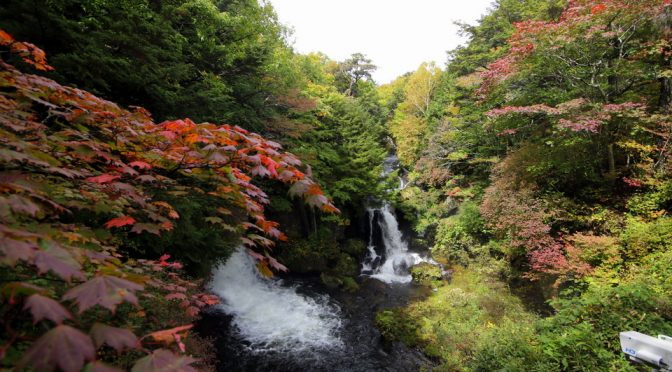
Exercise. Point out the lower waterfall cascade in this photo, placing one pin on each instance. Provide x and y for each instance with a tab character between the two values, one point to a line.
297	324
273	317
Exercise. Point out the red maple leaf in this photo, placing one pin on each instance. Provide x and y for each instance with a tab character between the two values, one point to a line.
64	347
13	250
176	296
59	261
597	9
106	291
140	164
120	221
119	339
103	178
164	360
42	307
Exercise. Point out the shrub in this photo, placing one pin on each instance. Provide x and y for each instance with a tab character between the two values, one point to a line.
641	238
507	346
456	323
651	203
457	236
583	334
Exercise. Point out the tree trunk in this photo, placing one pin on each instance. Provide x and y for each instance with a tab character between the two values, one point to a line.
305	223
612	162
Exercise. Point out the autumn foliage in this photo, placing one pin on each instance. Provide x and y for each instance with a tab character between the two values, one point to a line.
599	57
77	173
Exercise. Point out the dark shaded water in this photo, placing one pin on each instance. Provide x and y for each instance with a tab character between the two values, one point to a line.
361	346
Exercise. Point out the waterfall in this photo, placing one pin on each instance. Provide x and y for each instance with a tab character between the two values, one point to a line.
272	317
372	258
394	264
396	259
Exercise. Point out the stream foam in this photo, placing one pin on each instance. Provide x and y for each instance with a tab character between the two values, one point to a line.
273	317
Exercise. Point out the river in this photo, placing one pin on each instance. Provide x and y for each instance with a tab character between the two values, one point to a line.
298	324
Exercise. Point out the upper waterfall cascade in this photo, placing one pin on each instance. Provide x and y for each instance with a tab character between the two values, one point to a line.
392	265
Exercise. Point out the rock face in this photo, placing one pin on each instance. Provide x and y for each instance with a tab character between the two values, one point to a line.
427	274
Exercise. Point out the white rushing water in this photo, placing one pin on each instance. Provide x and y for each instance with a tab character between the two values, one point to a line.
273	317
397	260
394	264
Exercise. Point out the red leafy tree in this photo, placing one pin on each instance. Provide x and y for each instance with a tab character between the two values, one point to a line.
603	70
516	215
603	54
65	153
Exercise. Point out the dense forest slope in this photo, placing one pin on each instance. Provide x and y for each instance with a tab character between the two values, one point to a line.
540	159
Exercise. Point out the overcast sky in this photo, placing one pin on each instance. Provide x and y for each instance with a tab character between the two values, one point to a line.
397	35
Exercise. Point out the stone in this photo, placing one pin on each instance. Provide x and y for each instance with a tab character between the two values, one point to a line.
427	274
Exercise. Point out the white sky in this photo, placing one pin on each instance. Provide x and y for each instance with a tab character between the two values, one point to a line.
397	35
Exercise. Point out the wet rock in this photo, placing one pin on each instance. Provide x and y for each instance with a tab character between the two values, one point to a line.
446	274
402	264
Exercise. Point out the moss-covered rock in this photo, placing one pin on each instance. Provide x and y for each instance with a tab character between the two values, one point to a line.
310	255
349	284
427	274
336	263
299	258
331	281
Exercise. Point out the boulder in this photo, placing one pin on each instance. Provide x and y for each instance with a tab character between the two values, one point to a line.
427	274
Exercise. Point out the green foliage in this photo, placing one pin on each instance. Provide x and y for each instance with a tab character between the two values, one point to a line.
410	121
344	143
475	324
337	263
350	73
641	238
205	59
354	247
311	254
196	240
559	126
427	274
456	324
509	346
583	334
427	206
396	325
487	39
458	235
648	204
